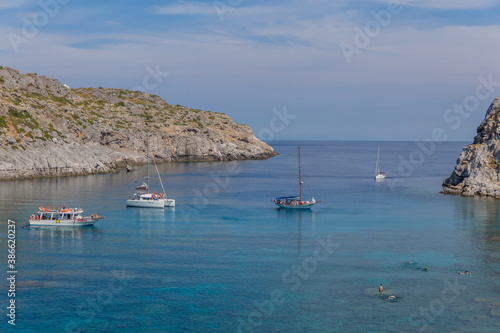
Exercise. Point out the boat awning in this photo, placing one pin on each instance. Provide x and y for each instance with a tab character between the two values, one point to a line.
294	197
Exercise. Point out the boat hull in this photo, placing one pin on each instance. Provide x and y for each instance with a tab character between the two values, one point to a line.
295	206
85	221
169	202
160	203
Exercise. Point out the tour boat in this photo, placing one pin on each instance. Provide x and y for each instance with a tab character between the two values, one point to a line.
47	216
146	199
379	175
295	202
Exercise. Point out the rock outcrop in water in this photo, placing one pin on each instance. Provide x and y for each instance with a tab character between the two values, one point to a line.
478	166
48	129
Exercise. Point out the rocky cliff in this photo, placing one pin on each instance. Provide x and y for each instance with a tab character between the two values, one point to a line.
48	129
478	166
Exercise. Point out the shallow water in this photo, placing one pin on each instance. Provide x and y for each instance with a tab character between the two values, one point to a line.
227	260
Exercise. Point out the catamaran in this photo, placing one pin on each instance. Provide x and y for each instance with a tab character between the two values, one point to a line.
379	175
146	199
62	216
295	202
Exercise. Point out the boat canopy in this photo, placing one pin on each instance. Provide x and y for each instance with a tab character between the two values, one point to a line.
294	197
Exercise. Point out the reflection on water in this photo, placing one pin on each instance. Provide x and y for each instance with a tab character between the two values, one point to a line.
299	216
477	208
482	217
57	236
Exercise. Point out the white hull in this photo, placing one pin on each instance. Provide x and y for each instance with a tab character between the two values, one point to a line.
160	203
380	176
169	202
297	206
73	223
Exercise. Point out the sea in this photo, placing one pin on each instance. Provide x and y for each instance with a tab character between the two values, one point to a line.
227	259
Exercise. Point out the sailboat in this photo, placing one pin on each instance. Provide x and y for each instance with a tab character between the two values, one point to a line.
379	175
295	202
146	199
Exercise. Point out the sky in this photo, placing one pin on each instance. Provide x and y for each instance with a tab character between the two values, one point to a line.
291	69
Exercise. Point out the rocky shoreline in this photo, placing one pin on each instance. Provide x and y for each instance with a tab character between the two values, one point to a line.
478	167
49	130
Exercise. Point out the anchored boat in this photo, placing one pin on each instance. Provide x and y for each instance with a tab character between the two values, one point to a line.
295	202
146	199
47	216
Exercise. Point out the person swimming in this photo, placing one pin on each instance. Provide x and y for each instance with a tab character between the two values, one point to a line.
394	298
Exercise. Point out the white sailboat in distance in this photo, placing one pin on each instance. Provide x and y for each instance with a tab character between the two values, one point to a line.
146	199
379	175
295	202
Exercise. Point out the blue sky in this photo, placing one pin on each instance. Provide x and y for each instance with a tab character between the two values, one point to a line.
248	58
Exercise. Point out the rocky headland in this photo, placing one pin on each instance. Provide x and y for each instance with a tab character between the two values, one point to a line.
478	167
48	129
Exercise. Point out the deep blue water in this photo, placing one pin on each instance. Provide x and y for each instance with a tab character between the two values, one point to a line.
227	260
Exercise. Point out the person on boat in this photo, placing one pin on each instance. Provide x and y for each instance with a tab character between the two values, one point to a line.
381	289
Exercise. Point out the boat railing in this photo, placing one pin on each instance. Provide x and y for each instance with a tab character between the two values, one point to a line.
58	209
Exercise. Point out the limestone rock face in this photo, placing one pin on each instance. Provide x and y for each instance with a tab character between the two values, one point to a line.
48	129
478	167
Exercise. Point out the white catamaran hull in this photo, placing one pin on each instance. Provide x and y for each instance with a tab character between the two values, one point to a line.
169	202
159	203
76	222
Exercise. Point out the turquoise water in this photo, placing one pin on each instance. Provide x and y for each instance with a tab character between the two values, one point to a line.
226	260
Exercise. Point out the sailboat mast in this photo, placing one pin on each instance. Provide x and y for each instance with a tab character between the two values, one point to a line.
376	165
148	160
300	180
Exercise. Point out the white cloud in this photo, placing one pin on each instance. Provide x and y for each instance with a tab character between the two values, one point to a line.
451	4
